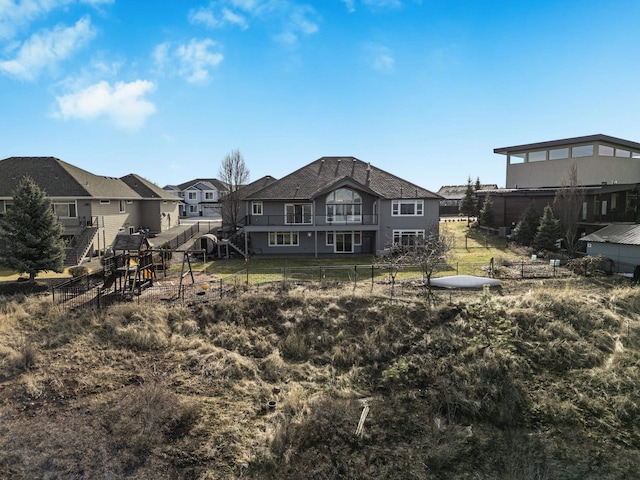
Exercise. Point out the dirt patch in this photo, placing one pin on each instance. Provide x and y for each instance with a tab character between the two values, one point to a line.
24	288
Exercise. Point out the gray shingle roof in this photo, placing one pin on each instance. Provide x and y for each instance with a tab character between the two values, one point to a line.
147	189
317	177
251	188
217	184
60	179
622	234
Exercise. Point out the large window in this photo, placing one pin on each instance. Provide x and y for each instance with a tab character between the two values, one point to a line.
297	213
407	207
558	153
582	151
65	210
407	237
538	156
283	239
344	205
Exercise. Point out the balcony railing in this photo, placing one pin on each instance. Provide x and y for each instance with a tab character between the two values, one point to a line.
317	220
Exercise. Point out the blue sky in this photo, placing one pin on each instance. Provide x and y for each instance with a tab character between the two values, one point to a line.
424	89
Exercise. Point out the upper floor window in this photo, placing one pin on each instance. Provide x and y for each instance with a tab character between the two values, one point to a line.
582	151
208	195
121	206
605	151
191	195
65	209
407	207
297	213
538	156
558	153
256	208
517	158
344	205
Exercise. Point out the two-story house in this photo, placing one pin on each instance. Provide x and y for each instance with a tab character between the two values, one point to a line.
200	197
337	205
93	209
608	172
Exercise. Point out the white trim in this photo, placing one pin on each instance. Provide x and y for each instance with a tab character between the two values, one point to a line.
418	207
294	239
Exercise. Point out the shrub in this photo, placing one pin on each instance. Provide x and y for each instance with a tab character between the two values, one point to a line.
78	271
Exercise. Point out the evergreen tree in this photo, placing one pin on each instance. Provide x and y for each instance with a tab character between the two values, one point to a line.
527	226
486	214
469	203
548	231
30	234
479	201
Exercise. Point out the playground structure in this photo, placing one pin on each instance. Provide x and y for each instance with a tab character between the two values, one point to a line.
133	266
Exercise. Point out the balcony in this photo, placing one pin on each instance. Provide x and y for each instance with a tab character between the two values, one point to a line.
309	220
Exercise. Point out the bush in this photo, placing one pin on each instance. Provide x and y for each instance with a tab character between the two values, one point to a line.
78	271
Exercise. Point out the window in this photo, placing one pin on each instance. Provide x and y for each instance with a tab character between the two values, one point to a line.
330	238
584	210
105	202
635	154
407	207
539	156
407	237
208	195
558	153
65	210
517	158
297	213
121	206
603	206
193	209
582	151
283	239
605	151
256	208
191	195
356	238
344	205
623	153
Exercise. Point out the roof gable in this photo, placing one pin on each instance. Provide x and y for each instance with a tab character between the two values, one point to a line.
318	176
147	189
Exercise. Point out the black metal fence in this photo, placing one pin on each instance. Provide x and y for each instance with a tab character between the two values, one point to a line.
87	292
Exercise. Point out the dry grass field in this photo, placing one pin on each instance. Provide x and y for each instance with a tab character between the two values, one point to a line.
536	381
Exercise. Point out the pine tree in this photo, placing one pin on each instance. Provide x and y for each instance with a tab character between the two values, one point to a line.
469	203
486	215
548	231
30	234
527	226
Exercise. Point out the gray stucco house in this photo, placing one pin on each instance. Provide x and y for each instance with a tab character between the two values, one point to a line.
337	205
93	209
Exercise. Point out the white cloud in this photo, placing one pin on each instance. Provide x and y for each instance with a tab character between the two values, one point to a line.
123	104
192	61
15	14
380	58
350	4
235	18
302	20
204	16
47	48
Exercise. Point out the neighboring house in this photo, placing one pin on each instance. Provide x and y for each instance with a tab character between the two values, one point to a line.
337	205
600	159
453	194
608	172
620	243
200	197
92	209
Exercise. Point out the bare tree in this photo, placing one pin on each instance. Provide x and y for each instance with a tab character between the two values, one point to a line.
430	254
234	174
567	206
